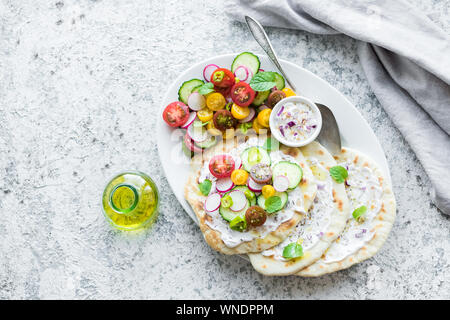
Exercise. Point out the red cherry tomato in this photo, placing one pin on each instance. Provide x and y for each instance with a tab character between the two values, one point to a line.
176	114
242	94
222	78
224	91
221	166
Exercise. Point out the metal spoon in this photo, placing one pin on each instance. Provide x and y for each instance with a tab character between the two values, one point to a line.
329	136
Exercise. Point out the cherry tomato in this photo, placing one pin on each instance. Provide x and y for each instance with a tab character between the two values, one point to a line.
257	127
176	114
263	117
223	120
255	216
288	92
205	114
274	97
224	91
215	101
221	166
239	112
239	177
222	78
242	94
268	191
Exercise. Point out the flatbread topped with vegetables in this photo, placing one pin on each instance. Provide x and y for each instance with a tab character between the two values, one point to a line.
372	214
318	229
248	196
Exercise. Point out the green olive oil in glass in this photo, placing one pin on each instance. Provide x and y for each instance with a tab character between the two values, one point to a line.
130	201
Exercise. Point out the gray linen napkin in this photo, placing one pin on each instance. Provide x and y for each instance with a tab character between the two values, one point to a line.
405	57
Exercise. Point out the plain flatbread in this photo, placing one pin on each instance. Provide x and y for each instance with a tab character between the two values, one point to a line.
196	199
320	161
383	220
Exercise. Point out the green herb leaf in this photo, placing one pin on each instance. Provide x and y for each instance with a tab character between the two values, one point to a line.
205	187
273	204
239	224
263	81
271	144
338	173
359	213
292	251
206	88
199	124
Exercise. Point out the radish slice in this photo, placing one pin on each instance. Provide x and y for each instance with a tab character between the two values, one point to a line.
192	117
250	76
224	185
253	186
239	200
281	183
196	101
212	203
242	73
197	133
250	116
261	70
208	71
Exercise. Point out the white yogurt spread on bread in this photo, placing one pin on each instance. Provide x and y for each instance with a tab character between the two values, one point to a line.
363	189
311	229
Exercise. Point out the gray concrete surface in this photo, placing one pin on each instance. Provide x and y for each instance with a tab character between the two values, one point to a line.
80	86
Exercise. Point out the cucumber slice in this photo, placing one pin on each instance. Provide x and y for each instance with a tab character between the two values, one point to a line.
289	169
208	143
261	97
248	60
229	215
196	89
187	88
254	155
245	189
279	80
283	196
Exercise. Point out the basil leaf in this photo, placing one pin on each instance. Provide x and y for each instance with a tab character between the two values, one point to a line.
239	224
271	144
263	81
338	173
205	187
292	251
206	88
273	204
358	213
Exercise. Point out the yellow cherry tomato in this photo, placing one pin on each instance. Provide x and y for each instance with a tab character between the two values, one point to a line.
205	114
212	129
268	191
257	127
215	101
288	92
228	134
239	177
263	117
239	112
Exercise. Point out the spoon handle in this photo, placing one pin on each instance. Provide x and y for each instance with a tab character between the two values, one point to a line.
263	40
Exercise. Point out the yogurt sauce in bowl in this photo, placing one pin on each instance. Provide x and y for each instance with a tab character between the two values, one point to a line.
295	121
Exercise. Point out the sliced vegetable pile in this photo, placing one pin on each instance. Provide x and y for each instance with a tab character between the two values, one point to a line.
225	101
249	187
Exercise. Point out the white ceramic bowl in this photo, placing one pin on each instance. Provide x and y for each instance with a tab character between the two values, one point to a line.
276	132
